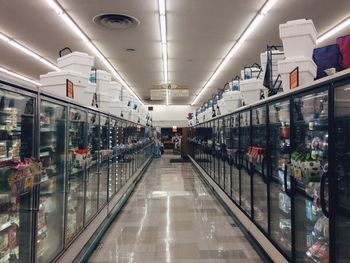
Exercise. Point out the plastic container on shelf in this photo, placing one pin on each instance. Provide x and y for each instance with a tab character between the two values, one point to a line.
76	61
298	37
307	70
251	90
56	82
250	73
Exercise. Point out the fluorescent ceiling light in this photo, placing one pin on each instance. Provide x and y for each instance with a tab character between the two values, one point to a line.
27	51
11	73
345	23
75	28
163	41
251	27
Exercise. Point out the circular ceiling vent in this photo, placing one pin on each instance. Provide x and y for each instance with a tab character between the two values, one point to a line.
116	21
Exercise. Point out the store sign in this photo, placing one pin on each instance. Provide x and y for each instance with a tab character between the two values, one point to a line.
294	78
174	128
69	89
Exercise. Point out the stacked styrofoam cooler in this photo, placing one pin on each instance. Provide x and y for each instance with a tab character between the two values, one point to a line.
76	68
103	82
116	106
251	90
299	38
230	102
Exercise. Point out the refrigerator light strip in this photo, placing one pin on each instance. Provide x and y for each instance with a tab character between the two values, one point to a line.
164	45
76	29
331	32
255	22
14	74
27	51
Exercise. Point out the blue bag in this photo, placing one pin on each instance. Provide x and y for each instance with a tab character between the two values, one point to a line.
325	58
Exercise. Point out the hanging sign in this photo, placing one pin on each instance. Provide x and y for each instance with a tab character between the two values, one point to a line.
294	78
174	128
69	89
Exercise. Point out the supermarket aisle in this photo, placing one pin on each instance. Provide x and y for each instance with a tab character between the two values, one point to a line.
171	217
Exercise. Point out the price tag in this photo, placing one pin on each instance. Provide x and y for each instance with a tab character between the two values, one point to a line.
69	89
297	173
294	78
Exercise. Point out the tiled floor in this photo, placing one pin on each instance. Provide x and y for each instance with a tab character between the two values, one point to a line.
171	217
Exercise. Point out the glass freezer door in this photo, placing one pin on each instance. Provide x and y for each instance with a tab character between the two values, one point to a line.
342	171
226	143
257	162
105	154
50	225
233	157
78	157
309	161
279	159
91	197
244	162
18	173
113	131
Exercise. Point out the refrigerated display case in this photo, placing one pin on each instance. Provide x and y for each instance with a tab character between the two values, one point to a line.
300	192
245	171
309	162
92	180
257	162
341	129
104	156
19	172
50	221
78	157
279	159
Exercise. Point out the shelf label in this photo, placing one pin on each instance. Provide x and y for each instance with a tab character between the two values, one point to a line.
294	78
297	173
69	89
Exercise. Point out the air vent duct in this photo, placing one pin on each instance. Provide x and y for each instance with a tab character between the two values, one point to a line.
116	21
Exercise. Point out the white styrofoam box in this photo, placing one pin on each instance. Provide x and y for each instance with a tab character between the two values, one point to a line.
298	37
251	90
230	105
102	75
86	96
76	61
134	116
116	108
55	82
307	70
104	100
115	89
231	95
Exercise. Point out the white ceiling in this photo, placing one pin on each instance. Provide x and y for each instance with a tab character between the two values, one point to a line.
200	33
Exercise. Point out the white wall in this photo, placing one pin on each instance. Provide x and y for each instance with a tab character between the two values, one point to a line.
172	115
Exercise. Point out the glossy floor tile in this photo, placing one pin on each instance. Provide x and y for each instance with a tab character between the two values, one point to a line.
171	217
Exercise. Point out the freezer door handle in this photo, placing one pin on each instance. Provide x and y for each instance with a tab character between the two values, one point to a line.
264	175
288	191
322	194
